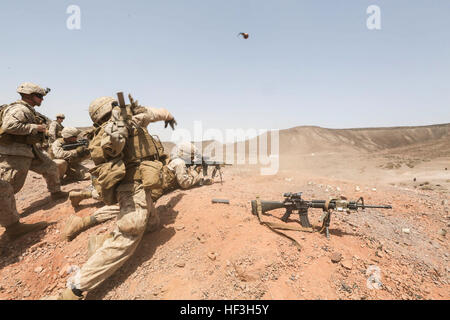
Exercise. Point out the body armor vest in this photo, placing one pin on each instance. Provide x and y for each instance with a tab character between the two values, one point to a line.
6	138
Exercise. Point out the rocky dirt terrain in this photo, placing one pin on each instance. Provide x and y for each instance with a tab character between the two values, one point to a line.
218	251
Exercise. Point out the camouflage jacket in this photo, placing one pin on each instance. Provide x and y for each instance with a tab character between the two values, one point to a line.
19	118
186	177
59	153
54	131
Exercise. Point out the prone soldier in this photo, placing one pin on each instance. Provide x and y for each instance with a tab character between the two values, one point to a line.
20	133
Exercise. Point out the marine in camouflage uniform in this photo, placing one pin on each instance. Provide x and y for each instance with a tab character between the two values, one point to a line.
69	161
55	128
175	175
20	133
118	138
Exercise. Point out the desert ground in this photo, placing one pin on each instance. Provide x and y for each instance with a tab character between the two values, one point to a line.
221	251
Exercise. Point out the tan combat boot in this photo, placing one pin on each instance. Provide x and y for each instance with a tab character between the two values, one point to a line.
77	196
69	295
77	224
153	223
95	242
18	229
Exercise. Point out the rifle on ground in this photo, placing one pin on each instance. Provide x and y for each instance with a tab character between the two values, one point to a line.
72	146
294	202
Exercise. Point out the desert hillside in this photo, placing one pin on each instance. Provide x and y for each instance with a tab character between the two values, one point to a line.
311	139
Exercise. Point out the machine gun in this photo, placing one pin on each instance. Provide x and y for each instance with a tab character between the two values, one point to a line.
294	202
206	162
72	146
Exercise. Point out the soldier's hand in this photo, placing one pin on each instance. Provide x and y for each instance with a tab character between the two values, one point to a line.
82	151
41	128
172	123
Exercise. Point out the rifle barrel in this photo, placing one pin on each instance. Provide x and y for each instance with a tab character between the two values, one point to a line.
321	204
374	207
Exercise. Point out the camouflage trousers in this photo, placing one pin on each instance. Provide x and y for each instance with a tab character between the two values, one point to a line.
106	213
75	171
135	209
9	214
14	171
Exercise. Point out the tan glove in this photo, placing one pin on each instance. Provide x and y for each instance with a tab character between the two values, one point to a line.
172	123
82	151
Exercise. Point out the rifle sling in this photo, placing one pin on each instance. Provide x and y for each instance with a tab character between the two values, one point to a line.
274	226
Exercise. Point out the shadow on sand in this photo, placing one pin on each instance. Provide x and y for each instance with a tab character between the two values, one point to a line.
11	251
149	243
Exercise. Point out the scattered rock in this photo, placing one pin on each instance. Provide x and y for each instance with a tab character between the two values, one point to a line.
346	288
64	270
357	188
179	228
442	232
38	269
336	257
379	253
374	189
180	264
212	256
347	264
26	294
406	230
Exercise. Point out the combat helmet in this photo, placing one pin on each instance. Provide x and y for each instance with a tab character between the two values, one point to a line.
30	88
100	107
69	132
186	151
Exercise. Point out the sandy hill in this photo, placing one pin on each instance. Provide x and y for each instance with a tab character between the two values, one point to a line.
312	139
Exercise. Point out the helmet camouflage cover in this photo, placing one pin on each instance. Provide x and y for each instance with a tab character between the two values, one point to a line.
185	151
70	132
30	88
100	107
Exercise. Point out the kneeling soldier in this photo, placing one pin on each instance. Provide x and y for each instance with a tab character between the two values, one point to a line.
126	171
69	161
176	174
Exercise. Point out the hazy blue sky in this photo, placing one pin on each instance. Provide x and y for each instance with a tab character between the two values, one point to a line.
305	63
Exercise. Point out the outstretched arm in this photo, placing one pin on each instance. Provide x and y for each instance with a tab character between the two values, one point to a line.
148	115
